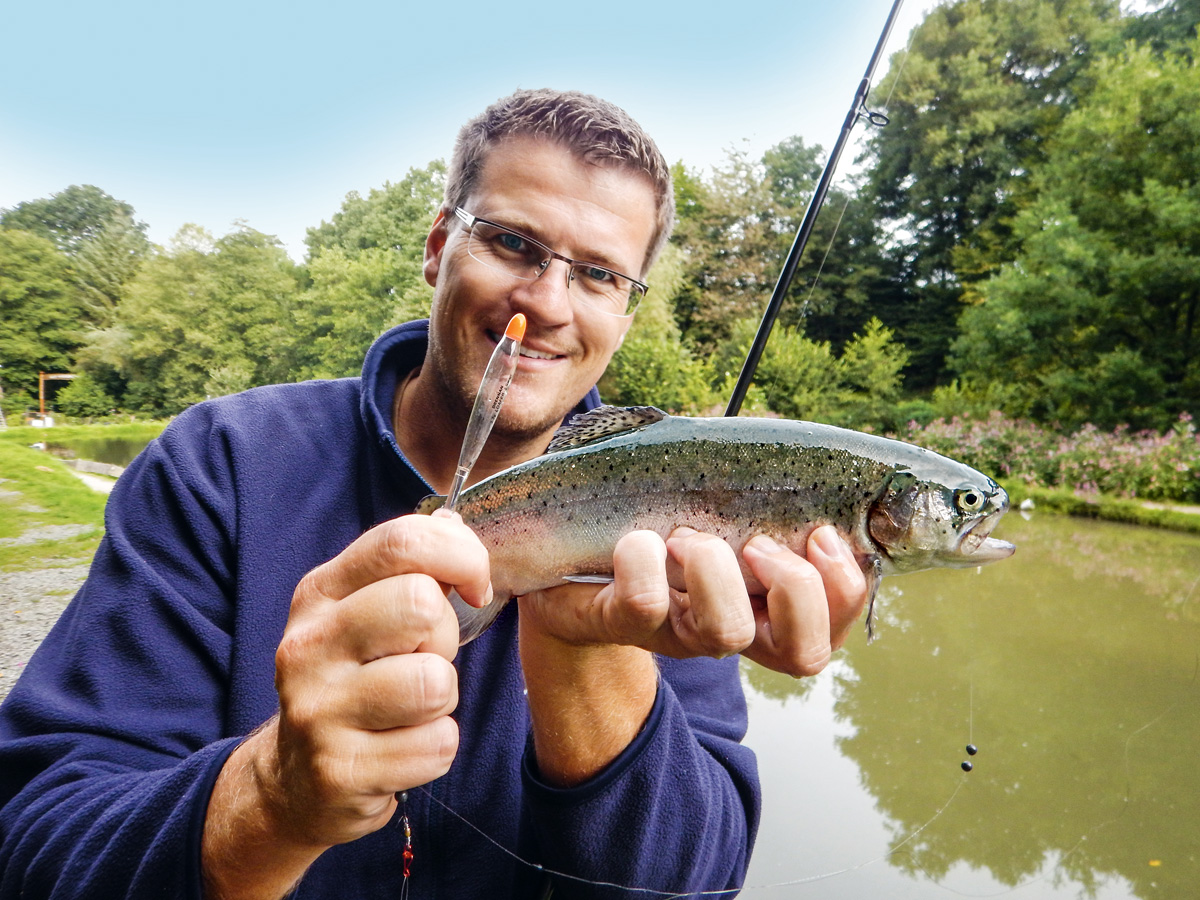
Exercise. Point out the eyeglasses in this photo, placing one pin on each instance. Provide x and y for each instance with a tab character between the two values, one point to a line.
499	247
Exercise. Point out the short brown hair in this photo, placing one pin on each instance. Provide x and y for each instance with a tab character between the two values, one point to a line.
595	130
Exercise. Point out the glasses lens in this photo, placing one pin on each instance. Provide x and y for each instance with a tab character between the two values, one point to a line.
506	251
606	290
522	257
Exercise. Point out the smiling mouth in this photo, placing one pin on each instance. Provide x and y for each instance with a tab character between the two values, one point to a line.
525	351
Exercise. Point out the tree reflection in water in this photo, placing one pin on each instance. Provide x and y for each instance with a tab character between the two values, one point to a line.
1072	666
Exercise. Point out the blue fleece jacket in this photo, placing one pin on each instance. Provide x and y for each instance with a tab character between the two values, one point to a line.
111	740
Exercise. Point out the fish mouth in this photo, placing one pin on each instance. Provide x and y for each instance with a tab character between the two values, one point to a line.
977	547
526	352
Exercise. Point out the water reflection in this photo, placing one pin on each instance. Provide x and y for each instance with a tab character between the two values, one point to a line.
1073	667
114	451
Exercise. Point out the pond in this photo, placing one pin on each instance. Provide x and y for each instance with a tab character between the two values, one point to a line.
114	451
1073	667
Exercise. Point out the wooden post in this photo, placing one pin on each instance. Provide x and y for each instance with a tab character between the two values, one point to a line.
43	377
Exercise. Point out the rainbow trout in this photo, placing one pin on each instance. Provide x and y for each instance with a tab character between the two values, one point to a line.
614	470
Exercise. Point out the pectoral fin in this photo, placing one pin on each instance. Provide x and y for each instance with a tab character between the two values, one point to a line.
472	621
588	579
874	572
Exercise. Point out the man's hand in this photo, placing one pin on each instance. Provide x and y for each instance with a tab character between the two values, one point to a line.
688	596
586	652
366	685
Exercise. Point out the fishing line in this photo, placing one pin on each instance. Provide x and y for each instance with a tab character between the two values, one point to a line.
1126	801
671	895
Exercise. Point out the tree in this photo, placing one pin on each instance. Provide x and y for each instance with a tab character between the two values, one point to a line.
395	217
735	230
351	300
99	235
984	83
204	318
83	397
653	365
39	311
72	217
1098	317
804	379
1168	29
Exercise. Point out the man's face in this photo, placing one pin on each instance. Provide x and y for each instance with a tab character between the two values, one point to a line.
585	212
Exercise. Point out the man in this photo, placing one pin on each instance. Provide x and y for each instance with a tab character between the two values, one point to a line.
260	577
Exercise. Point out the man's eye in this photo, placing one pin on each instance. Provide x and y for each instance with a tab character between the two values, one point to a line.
511	242
597	275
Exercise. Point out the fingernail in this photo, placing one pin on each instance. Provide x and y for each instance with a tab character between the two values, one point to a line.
766	544
683	531
830	543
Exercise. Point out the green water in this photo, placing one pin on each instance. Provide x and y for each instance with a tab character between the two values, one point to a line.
114	451
1072	666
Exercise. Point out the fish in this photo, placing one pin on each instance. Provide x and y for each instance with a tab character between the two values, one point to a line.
557	517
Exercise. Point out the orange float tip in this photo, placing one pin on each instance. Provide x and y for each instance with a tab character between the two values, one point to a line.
516	327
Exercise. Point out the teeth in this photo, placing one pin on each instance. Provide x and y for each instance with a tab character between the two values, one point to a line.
525	351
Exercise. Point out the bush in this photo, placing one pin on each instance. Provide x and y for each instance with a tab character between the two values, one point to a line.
1145	464
84	397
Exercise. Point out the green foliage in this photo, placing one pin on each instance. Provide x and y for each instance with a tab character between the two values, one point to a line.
800	378
735	228
84	397
1169	29
869	371
71	218
105	263
654	366
353	299
40	312
984	82
202	319
395	217
1095	320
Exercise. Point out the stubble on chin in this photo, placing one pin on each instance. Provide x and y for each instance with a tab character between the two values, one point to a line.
514	426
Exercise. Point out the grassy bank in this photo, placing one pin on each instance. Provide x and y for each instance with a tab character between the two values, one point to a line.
47	516
1099	506
24	435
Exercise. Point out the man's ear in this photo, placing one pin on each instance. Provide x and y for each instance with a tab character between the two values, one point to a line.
435	243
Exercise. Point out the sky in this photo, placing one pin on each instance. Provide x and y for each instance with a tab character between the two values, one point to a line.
270	112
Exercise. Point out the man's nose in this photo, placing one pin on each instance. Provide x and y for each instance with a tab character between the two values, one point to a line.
547	297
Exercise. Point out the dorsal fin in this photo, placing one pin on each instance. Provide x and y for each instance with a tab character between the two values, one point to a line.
603	422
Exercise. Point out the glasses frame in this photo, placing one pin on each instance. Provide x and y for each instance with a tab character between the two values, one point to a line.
636	294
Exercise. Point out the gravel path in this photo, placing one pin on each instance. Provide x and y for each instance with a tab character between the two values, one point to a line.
30	603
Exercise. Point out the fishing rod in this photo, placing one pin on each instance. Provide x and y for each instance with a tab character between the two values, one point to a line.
858	109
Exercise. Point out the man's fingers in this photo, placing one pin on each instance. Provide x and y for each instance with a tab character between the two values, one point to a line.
358	773
401	614
845	583
403	691
811	603
793	629
441	547
716	619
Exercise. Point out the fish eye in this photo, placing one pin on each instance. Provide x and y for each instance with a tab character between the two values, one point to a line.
969	500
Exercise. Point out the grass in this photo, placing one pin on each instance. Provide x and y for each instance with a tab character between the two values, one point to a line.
39	491
1099	506
64	434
